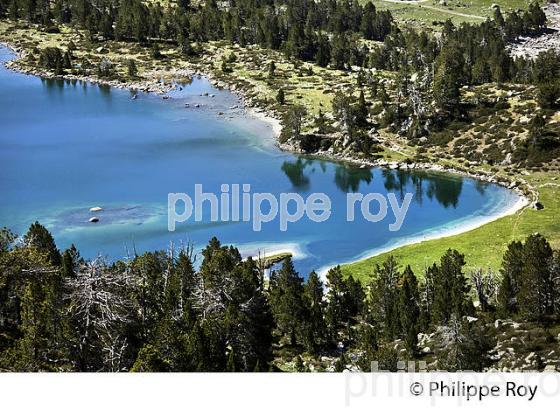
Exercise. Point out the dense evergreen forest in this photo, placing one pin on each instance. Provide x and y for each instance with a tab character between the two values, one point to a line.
328	32
157	312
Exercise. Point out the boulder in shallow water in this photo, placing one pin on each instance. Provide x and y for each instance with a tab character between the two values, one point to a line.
94	219
96	209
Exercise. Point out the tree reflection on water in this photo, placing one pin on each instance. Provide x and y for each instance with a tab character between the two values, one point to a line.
444	188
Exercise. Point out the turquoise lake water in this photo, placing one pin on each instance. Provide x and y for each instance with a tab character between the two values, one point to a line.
68	146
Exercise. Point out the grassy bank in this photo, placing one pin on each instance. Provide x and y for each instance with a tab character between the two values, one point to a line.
484	246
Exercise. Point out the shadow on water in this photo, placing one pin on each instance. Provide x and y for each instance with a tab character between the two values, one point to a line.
445	189
294	170
55	85
346	178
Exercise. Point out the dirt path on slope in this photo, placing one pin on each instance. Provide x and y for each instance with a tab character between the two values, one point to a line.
420	4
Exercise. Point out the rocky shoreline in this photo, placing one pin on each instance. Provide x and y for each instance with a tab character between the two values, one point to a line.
148	85
154	85
521	187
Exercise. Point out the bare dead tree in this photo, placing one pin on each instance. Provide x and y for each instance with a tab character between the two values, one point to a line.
114	347
209	301
98	307
486	287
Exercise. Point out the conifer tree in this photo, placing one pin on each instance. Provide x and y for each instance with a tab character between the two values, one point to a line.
35	290
40	238
409	310
498	17
280	97
71	260
451	291
287	301
384	297
536	291
448	78
314	333
510	271
131	68
323	55
336	314
361	110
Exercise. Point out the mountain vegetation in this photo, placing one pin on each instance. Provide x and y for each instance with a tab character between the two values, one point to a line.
166	311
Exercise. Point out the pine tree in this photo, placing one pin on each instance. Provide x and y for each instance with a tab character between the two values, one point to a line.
510	271
343	111
292	123
548	94
367	26
498	17
361	110
280	97
384	297
464	346
40	238
340	51
67	64
71	260
451	291
131	68
537	284
314	333
449	78
41	338
336	313
299	367
383	95
323	55
354	297
156	52
287	301
13	10
409	310
368	344
99	310
271	72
